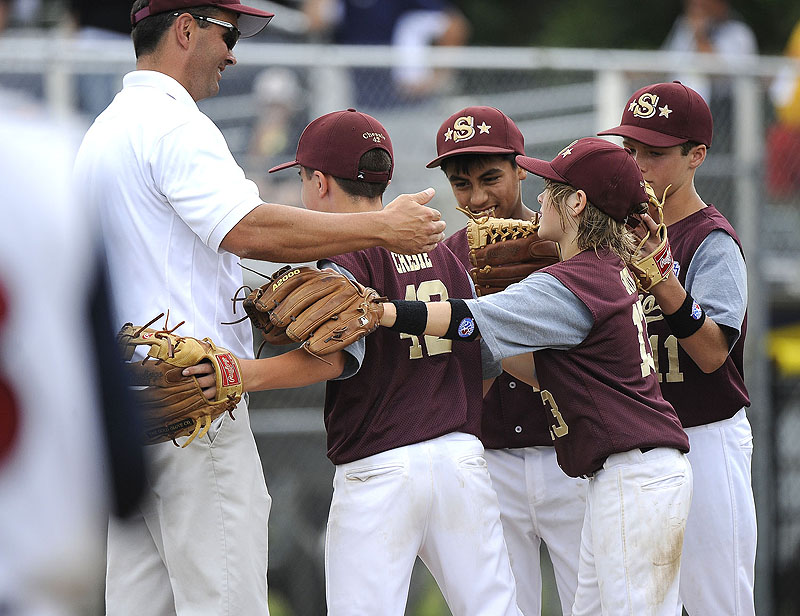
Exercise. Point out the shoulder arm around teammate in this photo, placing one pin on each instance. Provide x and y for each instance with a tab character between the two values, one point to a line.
717	280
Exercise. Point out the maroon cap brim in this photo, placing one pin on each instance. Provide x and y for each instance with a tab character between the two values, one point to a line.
478	149
645	136
251	21
542	168
292	163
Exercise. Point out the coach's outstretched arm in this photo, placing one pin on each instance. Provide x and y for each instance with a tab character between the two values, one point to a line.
273	232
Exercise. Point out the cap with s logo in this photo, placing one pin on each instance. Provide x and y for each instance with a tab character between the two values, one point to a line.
334	144
609	176
477	130
663	115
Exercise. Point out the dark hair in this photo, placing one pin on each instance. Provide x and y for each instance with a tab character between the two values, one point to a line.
376	159
463	163
687	146
147	34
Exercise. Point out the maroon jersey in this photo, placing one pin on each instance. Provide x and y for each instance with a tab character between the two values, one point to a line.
409	388
698	398
603	394
513	414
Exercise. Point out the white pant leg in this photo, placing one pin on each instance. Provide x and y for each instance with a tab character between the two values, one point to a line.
464	546
637	506
375	527
718	570
539	502
207	518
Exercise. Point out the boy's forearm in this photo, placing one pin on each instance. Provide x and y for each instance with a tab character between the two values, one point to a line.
296	368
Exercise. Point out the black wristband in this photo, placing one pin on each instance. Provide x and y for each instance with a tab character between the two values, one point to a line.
462	323
687	319
412	317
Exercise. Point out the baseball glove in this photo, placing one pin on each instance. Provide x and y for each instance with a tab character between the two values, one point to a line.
323	309
174	405
655	267
506	250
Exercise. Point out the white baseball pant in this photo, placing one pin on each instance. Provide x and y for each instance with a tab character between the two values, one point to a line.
433	499
636	510
719	550
538	502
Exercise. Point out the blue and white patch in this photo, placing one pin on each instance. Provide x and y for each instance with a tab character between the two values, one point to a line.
466	328
697	312
676	268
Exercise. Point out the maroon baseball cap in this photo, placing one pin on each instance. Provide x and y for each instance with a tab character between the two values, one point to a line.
606	172
477	130
334	144
251	21
666	114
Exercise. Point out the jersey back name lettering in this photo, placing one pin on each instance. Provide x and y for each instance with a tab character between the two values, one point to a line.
409	388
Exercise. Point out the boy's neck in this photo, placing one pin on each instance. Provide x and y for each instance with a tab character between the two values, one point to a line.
348	204
682	204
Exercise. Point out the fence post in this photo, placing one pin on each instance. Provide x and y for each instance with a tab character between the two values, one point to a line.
748	151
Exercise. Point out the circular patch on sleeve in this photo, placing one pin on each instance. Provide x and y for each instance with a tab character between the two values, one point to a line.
467	327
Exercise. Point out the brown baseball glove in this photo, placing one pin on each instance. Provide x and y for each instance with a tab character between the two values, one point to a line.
654	267
174	405
323	309
506	250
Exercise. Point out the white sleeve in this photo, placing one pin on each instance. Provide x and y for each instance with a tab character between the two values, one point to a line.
196	172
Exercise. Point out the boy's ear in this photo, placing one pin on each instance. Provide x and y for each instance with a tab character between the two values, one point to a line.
697	155
579	204
321	183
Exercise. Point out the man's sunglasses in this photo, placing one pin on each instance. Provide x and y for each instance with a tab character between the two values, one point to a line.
231	35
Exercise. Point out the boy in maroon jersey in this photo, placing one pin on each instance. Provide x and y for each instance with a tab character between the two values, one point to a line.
697	322
402	412
476	149
583	320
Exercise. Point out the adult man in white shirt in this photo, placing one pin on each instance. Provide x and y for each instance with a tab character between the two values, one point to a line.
177	214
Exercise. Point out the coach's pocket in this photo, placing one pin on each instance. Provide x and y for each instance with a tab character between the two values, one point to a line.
372	472
667	481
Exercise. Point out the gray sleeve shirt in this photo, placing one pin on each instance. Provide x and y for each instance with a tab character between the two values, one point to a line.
537	313
717	279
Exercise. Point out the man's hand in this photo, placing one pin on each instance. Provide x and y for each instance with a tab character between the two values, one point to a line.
411	227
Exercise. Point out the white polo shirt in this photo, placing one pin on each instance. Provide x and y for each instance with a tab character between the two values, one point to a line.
168	190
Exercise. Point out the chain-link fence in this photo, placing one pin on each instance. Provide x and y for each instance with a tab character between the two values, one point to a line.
555	96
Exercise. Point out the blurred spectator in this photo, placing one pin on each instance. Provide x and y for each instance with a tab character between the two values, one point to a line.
280	101
783	139
410	25
109	20
709	26
712	26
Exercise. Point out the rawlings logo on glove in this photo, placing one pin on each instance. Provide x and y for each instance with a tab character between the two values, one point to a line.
174	405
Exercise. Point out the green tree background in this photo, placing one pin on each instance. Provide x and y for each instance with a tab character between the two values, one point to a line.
618	24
